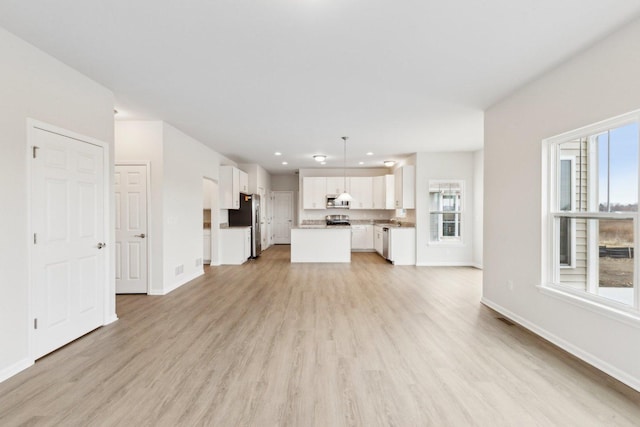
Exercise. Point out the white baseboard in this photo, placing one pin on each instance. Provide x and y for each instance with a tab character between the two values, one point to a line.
476	265
14	369
111	319
598	363
446	264
183	281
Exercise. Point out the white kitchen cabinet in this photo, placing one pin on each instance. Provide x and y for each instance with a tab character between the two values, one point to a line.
336	185
235	245
383	192
362	237
402	245
377	238
362	192
243	179
206	246
314	193
229	187
405	187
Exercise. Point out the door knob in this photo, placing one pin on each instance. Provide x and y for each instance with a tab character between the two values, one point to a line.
101	245
142	236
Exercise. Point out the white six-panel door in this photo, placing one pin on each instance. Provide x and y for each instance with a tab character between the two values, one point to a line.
68	256
131	229
282	216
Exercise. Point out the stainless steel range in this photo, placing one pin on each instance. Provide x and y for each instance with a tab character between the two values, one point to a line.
337	220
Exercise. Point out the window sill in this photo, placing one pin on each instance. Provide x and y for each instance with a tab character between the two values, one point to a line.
593	303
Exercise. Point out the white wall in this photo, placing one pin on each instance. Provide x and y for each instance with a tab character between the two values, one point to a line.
35	85
178	165
478	206
141	141
186	162
600	83
444	166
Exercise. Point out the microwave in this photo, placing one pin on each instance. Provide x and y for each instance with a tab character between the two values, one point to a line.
334	203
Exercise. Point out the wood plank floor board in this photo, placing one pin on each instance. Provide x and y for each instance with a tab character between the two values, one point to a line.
269	343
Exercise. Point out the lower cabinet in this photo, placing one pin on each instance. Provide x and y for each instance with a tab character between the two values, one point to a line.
377	239
235	245
402	245
362	237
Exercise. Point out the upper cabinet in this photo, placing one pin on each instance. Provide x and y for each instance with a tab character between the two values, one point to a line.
362	192
231	181
314	193
405	187
244	181
383	192
336	184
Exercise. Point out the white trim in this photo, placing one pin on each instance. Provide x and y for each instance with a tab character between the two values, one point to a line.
448	264
181	282
33	124
149	238
594	361
592	302
111	319
551	160
14	369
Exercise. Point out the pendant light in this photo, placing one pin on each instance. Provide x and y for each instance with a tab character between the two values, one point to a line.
344	196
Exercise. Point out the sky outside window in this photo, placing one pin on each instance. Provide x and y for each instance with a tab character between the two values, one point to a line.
618	161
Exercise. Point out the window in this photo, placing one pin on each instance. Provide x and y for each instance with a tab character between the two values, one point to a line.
445	211
592	212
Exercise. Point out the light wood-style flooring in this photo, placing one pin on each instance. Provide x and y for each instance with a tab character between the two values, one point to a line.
269	343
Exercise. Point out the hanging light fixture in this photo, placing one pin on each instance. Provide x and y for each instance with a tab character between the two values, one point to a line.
344	196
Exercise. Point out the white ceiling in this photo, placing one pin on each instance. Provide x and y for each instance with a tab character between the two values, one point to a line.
251	77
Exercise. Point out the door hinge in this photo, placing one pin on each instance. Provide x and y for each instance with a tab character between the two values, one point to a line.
35	323
35	238
35	149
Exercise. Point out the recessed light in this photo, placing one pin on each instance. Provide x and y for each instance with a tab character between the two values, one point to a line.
361	163
277	153
319	157
389	163
369	153
285	163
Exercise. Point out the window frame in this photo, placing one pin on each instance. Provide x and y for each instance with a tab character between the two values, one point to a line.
550	283
447	240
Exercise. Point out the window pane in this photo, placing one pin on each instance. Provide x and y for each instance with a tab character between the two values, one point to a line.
616	265
565	185
618	169
604	258
565	241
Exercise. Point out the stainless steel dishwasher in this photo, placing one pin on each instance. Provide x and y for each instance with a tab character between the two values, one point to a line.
385	242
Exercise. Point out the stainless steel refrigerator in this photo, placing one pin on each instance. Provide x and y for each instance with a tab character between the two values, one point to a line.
248	215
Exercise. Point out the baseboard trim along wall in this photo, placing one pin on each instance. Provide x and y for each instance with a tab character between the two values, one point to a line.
445	264
14	369
181	282
567	346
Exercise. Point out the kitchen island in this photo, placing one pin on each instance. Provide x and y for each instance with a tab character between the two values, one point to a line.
321	243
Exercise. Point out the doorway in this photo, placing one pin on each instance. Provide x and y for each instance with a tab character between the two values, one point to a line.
69	220
132	259
209	190
282	217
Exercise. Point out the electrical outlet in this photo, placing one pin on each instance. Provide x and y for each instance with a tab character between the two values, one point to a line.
198	262
510	284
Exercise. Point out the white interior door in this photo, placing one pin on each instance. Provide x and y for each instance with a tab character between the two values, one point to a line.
131	229
68	222
282	217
